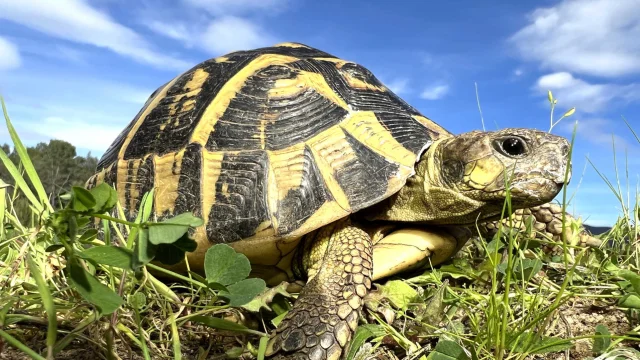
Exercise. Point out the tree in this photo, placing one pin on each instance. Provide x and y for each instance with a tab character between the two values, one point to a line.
57	165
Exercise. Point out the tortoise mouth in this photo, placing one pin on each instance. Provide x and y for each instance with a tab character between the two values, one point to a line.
537	191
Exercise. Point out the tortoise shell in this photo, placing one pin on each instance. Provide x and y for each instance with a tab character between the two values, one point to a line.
267	144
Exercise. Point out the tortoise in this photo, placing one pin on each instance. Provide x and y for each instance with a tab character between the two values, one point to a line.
315	170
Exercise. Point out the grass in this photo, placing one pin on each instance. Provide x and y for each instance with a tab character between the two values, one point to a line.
496	299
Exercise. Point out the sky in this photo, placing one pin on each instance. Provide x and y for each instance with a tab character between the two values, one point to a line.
79	70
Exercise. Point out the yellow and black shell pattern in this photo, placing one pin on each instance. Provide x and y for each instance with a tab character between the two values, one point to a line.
271	143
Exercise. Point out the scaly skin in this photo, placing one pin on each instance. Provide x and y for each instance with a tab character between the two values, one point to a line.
546	221
462	180
324	317
458	181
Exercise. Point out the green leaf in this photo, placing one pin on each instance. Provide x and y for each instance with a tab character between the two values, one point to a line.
459	270
569	112
93	290
72	227
88	235
216	286
630	301
105	196
143	251
53	247
186	219
222	264
399	293
434	309
234	352
244	291
172	229
82	220
550	96
278	319
631	277
448	350
496	244
171	254
109	255
138	300
601	344
168	254
363	333
222	324
146	206
186	243
263	300
527	268
82	199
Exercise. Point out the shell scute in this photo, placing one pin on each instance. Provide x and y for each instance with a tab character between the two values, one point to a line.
278	140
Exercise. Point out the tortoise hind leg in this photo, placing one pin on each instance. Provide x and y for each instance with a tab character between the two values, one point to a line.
325	315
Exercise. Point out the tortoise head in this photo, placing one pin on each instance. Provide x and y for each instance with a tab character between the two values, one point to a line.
467	176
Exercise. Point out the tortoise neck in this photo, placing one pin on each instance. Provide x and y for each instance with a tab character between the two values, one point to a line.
411	203
427	197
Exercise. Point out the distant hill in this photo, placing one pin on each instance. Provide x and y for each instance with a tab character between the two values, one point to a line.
597	230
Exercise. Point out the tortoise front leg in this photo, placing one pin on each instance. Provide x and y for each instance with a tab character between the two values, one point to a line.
546	221
339	265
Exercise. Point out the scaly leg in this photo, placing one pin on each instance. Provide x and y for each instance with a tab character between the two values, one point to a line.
338	261
547	223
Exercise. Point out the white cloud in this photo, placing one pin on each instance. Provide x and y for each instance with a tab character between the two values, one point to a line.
518	72
230	33
77	21
435	92
595	37
10	58
69	53
399	86
229	7
219	36
172	30
585	96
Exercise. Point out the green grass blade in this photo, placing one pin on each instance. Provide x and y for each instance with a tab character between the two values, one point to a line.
19	181
20	346
175	338
3	204
47	302
262	347
90	319
631	129
26	160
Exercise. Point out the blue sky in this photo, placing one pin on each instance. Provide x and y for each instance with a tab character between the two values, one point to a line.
79	70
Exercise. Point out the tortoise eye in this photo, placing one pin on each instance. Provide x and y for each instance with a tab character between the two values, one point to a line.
511	146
